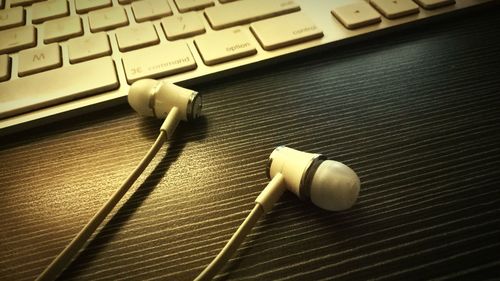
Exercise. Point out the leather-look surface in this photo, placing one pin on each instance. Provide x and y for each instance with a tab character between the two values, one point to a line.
415	113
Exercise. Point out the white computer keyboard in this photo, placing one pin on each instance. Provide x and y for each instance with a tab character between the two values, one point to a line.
59	58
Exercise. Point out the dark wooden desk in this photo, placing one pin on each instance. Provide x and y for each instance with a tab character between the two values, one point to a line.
415	113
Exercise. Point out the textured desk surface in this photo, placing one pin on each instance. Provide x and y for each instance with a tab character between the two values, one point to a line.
415	113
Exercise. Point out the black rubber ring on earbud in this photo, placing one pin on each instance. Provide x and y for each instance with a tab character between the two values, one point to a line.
308	175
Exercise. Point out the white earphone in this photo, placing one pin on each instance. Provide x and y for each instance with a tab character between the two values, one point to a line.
329	184
154	98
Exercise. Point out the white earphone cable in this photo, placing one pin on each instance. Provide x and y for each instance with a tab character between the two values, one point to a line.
67	255
264	203
232	245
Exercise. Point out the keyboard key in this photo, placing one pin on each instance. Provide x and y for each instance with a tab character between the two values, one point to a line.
181	26
62	29
158	61
15	3
17	38
11	17
145	10
107	18
433	4
137	36
4	67
285	30
51	9
88	47
356	15
39	59
225	45
57	86
245	11
191	5
83	6
392	9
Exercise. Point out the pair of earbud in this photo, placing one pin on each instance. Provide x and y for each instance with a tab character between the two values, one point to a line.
329	184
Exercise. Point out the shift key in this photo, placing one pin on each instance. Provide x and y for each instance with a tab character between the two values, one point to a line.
158	61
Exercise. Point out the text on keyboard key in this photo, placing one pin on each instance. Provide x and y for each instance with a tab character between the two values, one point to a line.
392	9
4	67
225	45
158	61
181	26
107	18
150	9
55	86
17	38
49	10
88	47
285	30
433	4
136	36
62	29
12	17
39	59
245	11
356	15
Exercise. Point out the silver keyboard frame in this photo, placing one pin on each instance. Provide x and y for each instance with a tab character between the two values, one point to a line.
335	34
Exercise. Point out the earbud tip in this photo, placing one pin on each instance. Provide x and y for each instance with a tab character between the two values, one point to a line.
335	186
139	96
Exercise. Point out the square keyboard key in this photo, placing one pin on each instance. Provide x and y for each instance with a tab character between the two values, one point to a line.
62	29
88	47
46	10
434	4
356	15
39	59
136	36
181	26
108	18
4	67
191	5
12	17
393	9
145	10
83	6
17	38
